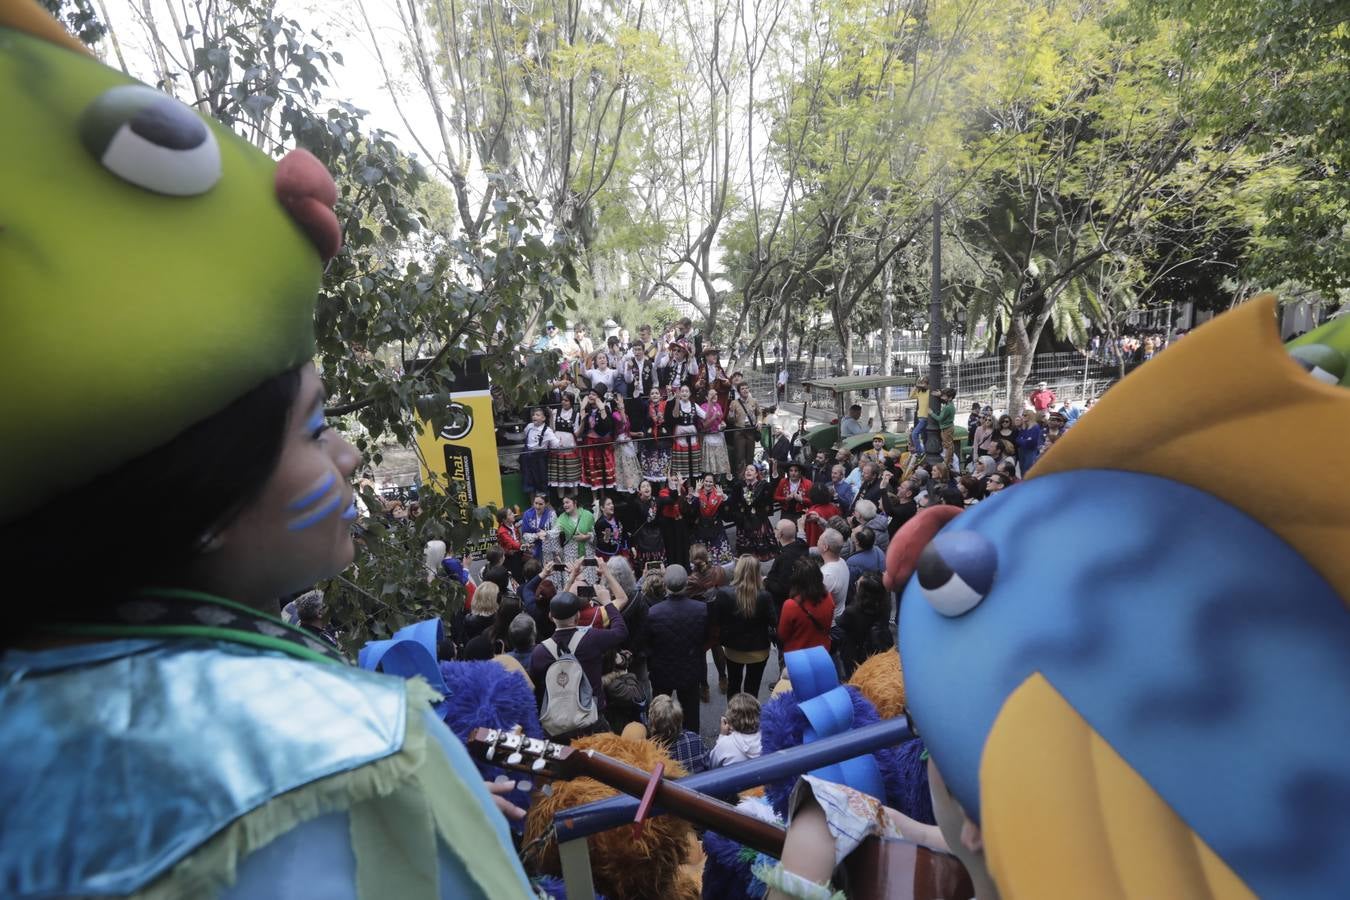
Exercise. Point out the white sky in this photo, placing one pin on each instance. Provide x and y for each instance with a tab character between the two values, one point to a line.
358	81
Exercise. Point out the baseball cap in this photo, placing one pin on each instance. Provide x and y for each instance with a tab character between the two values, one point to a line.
564	605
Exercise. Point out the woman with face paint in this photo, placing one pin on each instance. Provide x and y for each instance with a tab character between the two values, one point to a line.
224	744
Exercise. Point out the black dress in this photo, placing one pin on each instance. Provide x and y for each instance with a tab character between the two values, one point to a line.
640	521
750	510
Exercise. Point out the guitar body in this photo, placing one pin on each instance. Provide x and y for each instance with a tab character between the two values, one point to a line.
878	870
898	870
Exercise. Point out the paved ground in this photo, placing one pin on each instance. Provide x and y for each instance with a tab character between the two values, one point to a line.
710	714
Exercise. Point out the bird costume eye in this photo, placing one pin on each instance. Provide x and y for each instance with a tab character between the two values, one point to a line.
1323	363
956	571
152	141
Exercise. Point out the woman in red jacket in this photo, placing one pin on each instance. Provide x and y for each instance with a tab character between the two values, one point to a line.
508	539
809	611
819	513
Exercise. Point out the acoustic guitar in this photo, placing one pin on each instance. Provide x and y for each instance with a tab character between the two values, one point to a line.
878	870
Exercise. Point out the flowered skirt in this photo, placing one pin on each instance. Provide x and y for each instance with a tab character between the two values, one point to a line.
755	536
715	459
627	467
655	461
564	463
597	463
686	457
712	535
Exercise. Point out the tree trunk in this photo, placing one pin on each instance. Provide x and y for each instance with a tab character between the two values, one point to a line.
157	50
887	325
112	36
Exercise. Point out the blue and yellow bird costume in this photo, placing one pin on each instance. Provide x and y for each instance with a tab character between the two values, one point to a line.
1133	670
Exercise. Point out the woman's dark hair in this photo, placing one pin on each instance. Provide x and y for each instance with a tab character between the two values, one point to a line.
870	595
507	611
144	522
807	584
952	497
973	487
819	495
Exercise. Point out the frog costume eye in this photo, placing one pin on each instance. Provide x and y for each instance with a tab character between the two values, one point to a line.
151	140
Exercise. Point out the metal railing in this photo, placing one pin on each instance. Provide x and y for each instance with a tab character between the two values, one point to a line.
573	826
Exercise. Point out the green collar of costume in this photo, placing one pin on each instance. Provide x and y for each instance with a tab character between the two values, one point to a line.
172	613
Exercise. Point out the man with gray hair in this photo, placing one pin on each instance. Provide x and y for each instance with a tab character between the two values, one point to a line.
866	515
310	610
521	635
833	569
779	577
678	628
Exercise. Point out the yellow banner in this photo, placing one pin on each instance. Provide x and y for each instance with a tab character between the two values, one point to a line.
464	452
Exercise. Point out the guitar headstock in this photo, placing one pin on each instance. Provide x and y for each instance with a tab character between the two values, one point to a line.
516	751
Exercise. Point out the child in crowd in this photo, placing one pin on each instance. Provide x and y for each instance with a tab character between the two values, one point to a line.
739	740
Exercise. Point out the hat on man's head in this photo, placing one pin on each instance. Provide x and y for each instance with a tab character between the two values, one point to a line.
1042	385
796	465
199	262
564	606
878	437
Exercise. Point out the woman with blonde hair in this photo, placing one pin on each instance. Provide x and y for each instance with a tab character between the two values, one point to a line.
744	612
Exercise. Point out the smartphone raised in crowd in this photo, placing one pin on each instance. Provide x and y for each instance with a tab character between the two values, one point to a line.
586	591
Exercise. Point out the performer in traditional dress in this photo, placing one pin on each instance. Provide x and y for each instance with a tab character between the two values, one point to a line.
640	515
683	417
654	454
715	459
539	530
751	504
676	510
710	530
627	465
578	531
539	439
597	446
564	463
610	537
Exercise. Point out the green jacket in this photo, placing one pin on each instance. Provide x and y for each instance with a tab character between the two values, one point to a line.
946	417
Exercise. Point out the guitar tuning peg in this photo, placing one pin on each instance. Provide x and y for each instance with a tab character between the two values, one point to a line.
538	765
490	752
514	759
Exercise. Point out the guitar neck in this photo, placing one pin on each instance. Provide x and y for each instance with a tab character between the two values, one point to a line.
704	811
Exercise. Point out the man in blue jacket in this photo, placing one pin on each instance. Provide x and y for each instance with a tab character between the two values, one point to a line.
678	629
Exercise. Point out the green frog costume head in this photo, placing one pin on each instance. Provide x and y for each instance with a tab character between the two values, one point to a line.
153	265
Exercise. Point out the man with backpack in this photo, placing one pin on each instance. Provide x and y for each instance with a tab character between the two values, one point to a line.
567	667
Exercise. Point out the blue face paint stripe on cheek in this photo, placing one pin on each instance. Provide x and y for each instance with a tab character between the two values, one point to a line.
316	421
314	496
351	512
317	516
